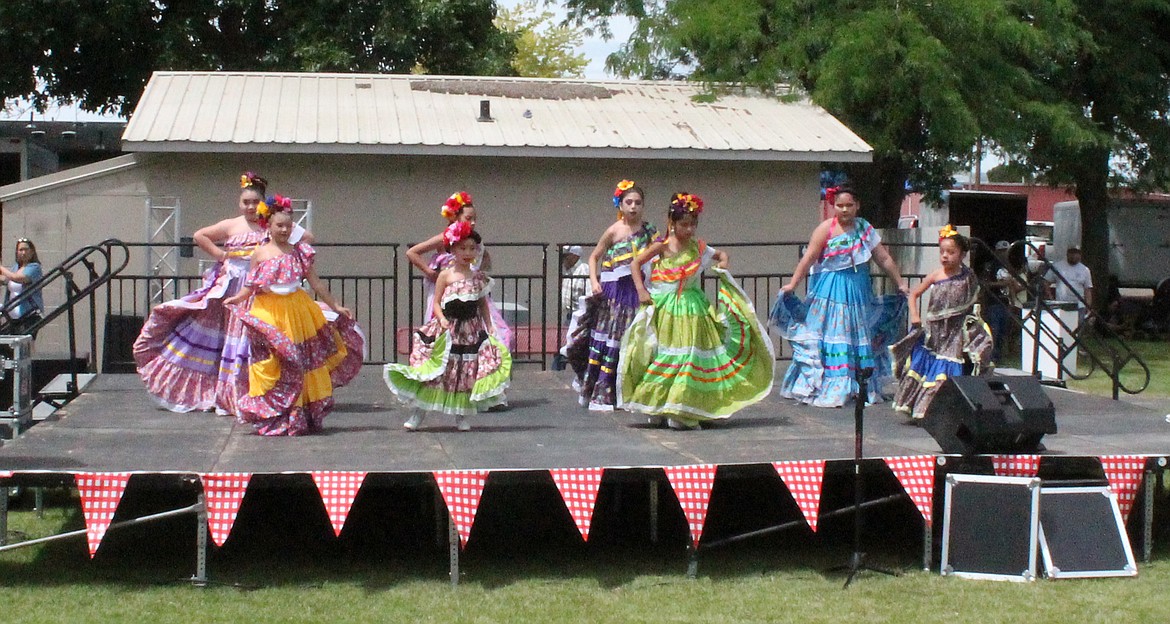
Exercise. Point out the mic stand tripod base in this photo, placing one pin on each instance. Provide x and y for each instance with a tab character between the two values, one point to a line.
857	560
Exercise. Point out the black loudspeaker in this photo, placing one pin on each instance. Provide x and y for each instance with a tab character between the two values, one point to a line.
996	414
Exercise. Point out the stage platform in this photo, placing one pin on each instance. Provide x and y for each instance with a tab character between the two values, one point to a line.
114	426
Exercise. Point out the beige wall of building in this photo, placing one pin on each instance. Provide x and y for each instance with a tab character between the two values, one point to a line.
382	198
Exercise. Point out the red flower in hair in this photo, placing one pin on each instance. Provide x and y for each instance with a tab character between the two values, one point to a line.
831	195
456	232
455	203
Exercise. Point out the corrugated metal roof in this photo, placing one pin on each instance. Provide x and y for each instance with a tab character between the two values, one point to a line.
418	114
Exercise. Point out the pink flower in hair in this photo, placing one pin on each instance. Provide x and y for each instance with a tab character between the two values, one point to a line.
456	232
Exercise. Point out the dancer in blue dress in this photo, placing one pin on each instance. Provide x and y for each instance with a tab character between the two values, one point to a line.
841	326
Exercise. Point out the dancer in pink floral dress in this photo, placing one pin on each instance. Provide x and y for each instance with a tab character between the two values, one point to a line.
297	357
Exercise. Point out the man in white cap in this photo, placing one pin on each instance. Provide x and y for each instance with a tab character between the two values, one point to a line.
574	285
1000	299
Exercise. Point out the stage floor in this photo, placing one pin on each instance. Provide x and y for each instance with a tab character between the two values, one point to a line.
114	426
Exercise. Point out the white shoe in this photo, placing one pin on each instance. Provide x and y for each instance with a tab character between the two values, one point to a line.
655	421
678	425
413	423
462	424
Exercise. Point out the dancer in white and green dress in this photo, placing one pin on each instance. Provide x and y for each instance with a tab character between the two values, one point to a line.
682	359
457	364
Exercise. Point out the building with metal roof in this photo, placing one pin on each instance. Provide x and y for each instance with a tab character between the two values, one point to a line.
377	155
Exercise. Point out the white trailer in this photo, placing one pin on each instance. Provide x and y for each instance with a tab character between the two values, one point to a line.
1139	239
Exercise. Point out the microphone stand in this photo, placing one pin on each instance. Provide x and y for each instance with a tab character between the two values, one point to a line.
857	560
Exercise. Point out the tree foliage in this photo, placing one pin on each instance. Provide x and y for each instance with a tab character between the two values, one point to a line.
1105	118
100	53
921	82
544	48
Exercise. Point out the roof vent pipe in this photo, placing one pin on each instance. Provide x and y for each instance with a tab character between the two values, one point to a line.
485	111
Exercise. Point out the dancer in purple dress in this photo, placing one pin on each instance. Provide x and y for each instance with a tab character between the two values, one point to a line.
595	333
191	353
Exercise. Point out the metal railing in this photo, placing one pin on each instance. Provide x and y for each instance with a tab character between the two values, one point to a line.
373	296
96	265
1055	338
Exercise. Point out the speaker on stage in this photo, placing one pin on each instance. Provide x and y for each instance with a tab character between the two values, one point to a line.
995	414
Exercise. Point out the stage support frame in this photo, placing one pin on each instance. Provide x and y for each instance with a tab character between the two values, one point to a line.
453	545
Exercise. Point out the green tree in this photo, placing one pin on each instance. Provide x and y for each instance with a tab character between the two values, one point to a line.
544	48
921	82
100	53
1107	121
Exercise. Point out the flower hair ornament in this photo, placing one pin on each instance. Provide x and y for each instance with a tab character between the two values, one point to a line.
622	187
454	205
947	232
831	194
456	232
685	203
249	179
271	206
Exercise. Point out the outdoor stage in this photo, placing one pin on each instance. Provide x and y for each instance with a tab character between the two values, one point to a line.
115	428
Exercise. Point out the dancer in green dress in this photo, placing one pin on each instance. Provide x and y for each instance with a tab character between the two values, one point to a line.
683	359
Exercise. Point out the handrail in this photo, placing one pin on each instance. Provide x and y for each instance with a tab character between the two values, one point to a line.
1117	353
100	266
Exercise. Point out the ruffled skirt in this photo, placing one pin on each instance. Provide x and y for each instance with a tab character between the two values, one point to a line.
595	342
460	371
839	328
680	358
297	359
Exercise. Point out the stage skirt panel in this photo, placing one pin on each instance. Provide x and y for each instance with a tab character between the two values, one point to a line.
192	353
462	370
682	359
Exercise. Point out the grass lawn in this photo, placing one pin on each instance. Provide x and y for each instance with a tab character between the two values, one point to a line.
137	577
1155	354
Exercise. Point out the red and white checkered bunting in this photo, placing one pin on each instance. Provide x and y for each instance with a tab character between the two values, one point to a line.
100	494
1125	474
338	489
1027	466
223	493
461	490
692	486
803	480
578	487
916	474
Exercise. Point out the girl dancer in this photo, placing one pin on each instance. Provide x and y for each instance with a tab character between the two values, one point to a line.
458	365
595	333
934	351
458	208
192	354
835	330
297	358
680	358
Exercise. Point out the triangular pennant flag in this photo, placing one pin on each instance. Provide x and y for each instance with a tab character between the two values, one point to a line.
578	487
803	480
461	490
223	492
916	474
692	486
1016	465
338	489
100	494
1125	477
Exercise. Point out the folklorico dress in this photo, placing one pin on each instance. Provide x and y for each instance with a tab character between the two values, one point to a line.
445	259
683	359
950	330
596	329
840	326
297	357
461	370
192	354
